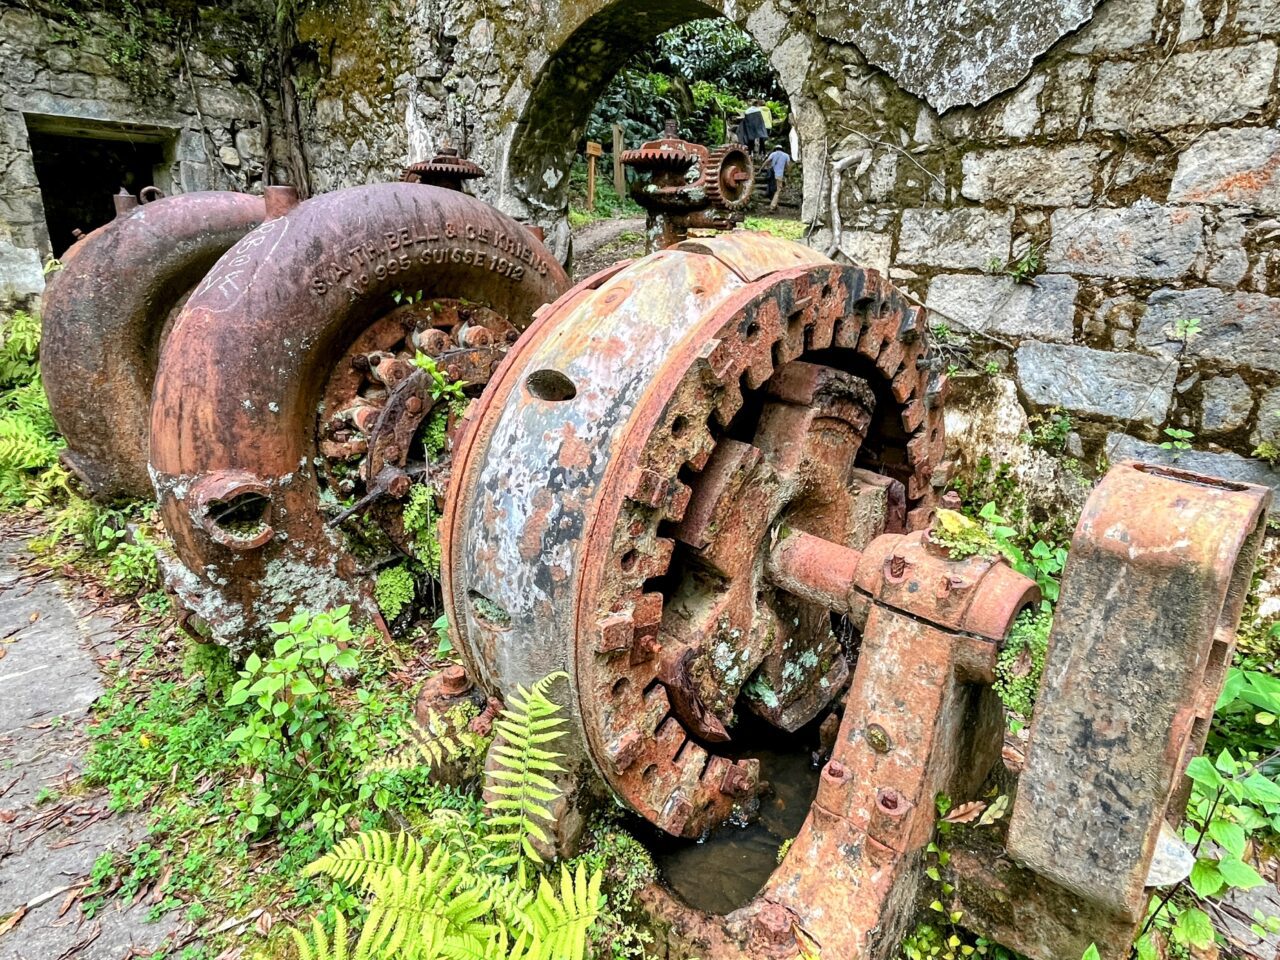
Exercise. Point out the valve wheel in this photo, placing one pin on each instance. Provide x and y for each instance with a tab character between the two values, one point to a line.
694	403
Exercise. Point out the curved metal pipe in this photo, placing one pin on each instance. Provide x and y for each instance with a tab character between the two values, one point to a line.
105	317
243	373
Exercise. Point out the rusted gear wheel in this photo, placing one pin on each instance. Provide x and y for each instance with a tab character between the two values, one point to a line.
659	156
614	496
730	177
286	399
107	313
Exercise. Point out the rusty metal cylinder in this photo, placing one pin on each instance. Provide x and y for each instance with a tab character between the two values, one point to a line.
244	371
106	315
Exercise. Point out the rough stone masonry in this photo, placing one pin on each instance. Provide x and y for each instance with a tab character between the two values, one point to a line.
1125	152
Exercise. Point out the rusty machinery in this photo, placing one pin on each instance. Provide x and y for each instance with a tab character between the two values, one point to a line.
688	466
109	309
288	414
688	186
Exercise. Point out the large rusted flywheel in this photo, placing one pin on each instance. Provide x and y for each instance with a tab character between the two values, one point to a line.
288	412
621	478
688	468
108	311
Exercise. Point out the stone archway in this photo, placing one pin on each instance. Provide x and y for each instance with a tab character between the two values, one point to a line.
552	112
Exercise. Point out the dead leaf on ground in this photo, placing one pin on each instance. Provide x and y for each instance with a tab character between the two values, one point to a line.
8	816
966	812
264	924
1013	757
34	617
11	921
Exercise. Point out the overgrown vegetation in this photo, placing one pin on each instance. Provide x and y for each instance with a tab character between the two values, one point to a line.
466	887
699	73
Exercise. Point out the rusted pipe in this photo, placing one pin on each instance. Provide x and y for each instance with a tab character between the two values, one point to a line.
106	315
247	364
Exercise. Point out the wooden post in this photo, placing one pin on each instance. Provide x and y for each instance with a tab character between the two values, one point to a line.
593	150
619	175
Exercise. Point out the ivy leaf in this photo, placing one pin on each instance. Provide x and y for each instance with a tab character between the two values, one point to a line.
1091	953
1193	927
1231	688
1229	835
1205	878
1261	789
1239	874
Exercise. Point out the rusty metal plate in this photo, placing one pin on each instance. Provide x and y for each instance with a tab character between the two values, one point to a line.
1142	635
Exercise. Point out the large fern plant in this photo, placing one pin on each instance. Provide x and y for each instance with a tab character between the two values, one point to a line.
29	441
468	892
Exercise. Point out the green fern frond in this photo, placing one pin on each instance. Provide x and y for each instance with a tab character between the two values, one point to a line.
440	740
357	860
517	780
554	924
319	947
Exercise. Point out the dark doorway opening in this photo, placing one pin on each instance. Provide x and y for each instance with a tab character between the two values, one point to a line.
80	167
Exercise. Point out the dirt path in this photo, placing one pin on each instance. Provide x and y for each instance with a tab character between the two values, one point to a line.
52	828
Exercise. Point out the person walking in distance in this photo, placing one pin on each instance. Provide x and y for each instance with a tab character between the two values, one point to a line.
777	163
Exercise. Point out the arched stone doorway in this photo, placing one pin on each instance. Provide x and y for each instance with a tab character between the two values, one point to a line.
538	148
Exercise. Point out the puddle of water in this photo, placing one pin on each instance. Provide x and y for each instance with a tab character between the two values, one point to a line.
724	871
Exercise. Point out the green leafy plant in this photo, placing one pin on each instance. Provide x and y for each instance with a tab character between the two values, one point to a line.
467	889
1021	662
1022	270
288	721
1268	451
421	519
441	386
1050	430
1178	441
394	589
991	535
29	442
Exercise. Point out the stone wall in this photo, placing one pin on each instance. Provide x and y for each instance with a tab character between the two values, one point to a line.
212	125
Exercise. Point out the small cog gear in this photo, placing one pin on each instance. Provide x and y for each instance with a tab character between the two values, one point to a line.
730	177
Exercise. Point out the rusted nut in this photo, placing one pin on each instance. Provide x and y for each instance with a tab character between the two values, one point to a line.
454	681
432	342
475	337
413	405
233	508
738	780
896	568
360	363
398	486
125	203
